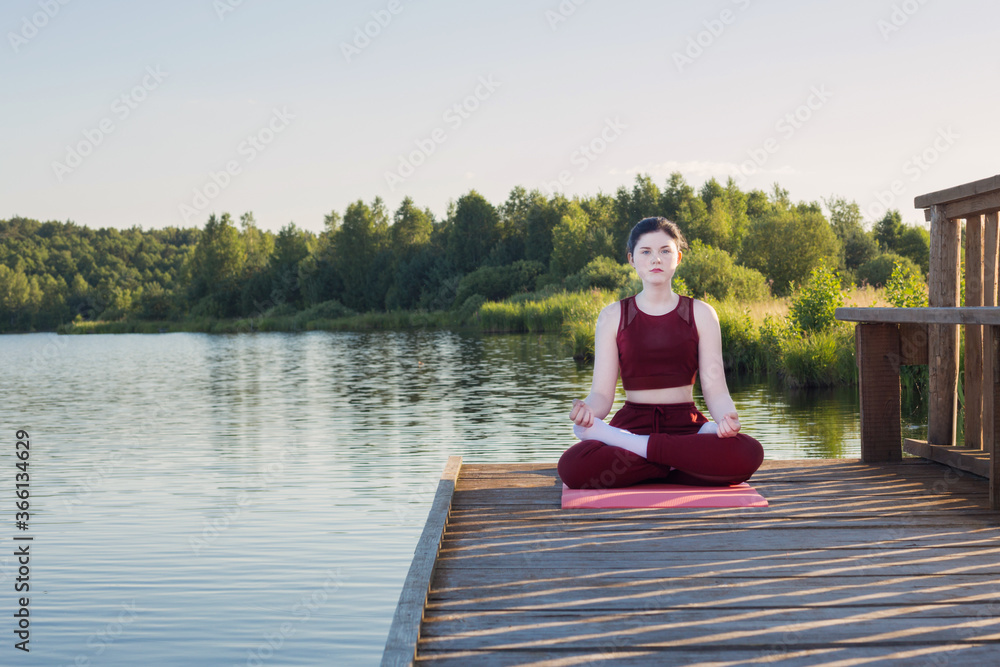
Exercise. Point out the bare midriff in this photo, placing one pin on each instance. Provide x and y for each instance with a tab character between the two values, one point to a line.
661	396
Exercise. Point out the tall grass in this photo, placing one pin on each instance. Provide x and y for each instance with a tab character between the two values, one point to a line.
547	314
301	321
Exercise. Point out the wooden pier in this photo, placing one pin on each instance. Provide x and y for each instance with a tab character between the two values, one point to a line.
853	563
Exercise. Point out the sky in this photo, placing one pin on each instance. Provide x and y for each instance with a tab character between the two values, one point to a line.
157	114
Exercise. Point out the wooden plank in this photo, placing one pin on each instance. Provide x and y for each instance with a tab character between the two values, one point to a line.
964	191
404	633
943	288
912	343
935	315
745	628
975	205
878	383
973	379
786	652
975	461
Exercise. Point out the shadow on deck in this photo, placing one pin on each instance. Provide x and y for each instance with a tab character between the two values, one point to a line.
851	564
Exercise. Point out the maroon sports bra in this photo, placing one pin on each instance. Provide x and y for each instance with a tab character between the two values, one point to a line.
657	351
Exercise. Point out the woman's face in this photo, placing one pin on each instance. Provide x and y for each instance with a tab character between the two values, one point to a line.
655	257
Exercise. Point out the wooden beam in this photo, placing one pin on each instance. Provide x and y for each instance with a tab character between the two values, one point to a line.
943	284
404	633
965	208
878	357
969	460
958	192
956	315
990	251
974	333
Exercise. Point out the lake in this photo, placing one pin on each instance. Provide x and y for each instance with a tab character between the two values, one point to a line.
255	499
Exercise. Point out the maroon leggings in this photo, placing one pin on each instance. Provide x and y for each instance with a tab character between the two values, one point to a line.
677	453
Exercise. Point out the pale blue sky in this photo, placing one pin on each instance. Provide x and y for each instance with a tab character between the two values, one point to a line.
928	87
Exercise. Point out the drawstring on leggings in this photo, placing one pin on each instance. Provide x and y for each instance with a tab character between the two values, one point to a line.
657	415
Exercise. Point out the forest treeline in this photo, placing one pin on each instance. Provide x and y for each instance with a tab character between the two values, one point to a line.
744	245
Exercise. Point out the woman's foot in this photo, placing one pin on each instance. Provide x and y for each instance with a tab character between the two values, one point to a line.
610	435
709	427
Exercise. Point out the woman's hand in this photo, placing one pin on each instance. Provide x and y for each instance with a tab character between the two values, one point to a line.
729	425
581	414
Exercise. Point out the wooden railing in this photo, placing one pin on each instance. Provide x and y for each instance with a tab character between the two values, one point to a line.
885	338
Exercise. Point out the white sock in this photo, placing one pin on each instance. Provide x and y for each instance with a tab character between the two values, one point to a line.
610	435
709	427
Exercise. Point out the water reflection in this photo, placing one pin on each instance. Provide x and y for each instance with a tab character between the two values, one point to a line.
218	481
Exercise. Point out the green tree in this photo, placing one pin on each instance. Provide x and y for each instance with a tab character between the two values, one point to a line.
361	244
889	230
475	230
542	217
642	201
291	247
15	294
411	228
712	271
320	278
915	244
219	255
573	242
787	244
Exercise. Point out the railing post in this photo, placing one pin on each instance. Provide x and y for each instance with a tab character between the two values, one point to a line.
991	246
943	349
877	348
974	333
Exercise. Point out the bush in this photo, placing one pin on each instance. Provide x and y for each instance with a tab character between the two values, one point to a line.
470	308
905	289
813	307
821	359
499	282
709	271
878	271
601	273
327	310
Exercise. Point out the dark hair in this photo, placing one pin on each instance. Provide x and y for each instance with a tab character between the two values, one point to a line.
647	225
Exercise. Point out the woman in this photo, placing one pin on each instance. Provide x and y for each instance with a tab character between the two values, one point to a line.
658	341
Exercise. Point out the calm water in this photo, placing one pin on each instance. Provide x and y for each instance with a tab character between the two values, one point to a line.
255	499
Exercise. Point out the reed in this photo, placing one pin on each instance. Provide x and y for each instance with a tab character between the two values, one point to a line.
550	313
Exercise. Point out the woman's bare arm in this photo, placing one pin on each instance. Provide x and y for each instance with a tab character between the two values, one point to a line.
712	371
598	404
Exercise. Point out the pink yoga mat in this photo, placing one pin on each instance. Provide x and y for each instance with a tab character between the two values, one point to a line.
663	495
